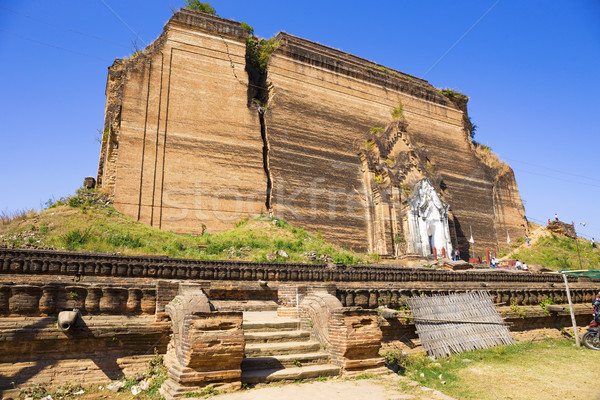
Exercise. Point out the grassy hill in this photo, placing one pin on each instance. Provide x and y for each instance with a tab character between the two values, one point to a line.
555	251
88	222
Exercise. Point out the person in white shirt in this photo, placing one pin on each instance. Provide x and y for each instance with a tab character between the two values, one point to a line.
525	267
518	265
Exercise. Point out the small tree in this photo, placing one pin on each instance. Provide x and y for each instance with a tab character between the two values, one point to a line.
473	129
204	7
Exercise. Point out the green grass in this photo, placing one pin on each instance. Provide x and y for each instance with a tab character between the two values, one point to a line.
557	252
487	374
88	222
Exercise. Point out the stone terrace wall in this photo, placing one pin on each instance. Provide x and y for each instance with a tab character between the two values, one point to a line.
48	262
519	294
323	103
122	303
181	148
99	348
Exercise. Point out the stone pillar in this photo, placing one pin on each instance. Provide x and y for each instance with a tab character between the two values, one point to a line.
208	347
287	299
350	335
355	340
48	300
148	302
92	300
25	300
113	300
4	299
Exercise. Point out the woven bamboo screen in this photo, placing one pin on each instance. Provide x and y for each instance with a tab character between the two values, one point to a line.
458	322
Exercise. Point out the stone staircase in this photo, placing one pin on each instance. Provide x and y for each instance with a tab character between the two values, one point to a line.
277	350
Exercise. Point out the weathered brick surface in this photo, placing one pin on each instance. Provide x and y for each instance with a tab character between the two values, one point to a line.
183	142
51	298
355	340
350	335
208	346
98	348
184	149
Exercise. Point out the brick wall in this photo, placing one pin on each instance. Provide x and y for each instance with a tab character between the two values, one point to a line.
49	262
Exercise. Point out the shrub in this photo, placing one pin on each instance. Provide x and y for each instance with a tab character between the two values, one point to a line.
368	145
248	28
258	52
398	113
347	259
376	129
125	240
473	129
452	93
75	238
241	222
204	7
547	301
395	360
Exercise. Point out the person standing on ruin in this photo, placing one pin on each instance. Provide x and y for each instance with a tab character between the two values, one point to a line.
527	240
555	217
593	243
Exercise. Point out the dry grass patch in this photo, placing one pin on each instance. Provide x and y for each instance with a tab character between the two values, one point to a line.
553	369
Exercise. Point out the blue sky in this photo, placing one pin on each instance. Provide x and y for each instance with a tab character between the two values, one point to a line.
530	68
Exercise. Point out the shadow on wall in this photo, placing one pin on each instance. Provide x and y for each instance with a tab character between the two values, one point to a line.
462	243
80	341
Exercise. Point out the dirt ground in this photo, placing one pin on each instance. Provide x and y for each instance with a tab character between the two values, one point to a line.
386	388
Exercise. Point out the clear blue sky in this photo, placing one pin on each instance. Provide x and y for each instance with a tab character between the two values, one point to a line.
531	69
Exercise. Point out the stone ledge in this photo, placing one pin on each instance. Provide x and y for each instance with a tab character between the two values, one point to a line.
337	61
209	23
51	262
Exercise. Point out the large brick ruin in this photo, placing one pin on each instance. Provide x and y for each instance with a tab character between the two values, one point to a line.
130	307
195	138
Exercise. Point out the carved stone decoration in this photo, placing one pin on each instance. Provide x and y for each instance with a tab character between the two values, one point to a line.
208	346
428	221
191	299
350	335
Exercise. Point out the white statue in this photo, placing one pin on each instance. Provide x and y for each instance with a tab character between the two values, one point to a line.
428	221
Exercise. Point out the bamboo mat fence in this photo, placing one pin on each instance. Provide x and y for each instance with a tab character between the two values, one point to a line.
458	322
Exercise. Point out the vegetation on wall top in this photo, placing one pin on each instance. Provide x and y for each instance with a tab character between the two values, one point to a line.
452	94
204	7
258	51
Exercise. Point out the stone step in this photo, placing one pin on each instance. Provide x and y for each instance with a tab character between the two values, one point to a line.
273	375
276	336
287	361
245	305
285	348
270	326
